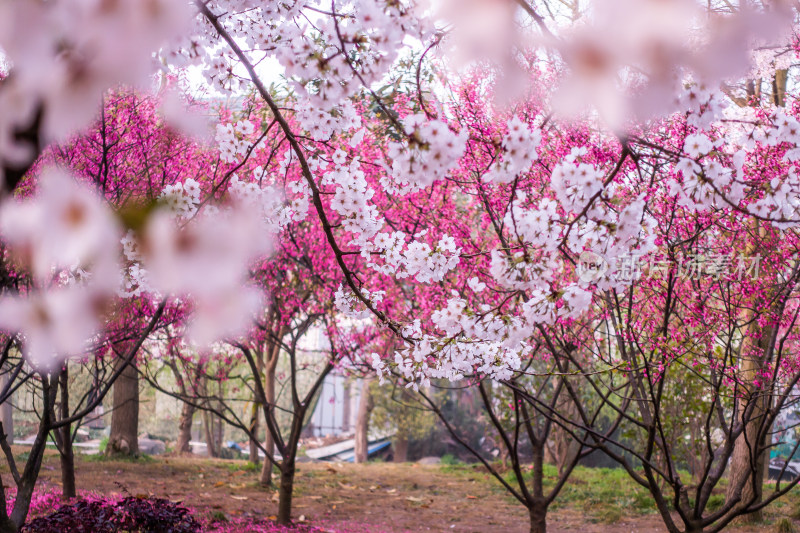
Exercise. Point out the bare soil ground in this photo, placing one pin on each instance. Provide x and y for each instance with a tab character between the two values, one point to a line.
385	497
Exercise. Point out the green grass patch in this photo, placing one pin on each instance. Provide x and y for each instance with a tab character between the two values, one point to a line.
243	466
609	515
598	490
715	502
103	458
450	459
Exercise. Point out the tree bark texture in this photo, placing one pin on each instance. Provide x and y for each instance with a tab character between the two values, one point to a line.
68	489
400	448
124	437
749	458
270	367
185	429
365	405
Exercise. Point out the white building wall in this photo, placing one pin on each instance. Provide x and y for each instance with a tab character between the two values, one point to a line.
329	415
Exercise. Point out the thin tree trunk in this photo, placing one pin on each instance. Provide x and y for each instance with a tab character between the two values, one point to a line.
286	490
208	428
208	423
185	429
270	367
6	525
779	87
289	450
346	407
254	427
29	475
187	411
365	406
219	424
7	410
68	490
254	415
269	441
124	437
400	448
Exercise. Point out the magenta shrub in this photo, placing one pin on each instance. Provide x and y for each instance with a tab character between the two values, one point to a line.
91	512
42	502
145	515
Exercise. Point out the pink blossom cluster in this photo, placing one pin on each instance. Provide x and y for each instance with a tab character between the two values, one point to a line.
436	211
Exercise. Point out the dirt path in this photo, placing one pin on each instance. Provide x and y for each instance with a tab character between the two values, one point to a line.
364	498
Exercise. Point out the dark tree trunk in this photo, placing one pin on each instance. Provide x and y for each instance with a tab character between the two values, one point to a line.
289	450
185	429
285	492
7	526
219	424
7	410
365	406
538	504
254	427
68	489
538	518
124	437
254	416
29	475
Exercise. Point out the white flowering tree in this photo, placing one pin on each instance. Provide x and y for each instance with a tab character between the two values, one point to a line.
460	159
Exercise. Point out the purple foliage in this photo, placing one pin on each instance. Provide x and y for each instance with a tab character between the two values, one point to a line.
147	515
92	512
43	501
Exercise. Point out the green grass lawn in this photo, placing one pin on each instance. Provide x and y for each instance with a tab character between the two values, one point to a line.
608	494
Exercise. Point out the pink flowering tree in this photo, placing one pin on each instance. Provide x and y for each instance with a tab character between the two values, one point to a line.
586	192
456	213
298	279
126	322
